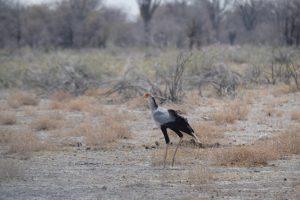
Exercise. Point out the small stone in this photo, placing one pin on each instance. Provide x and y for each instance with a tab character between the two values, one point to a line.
104	188
285	179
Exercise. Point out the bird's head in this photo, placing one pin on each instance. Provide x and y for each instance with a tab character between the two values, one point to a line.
146	95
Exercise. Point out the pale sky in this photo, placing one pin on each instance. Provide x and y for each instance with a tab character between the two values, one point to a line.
129	6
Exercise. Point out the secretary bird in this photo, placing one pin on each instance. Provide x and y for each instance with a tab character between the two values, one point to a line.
169	119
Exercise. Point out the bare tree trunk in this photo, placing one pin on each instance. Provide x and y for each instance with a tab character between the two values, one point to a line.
147	9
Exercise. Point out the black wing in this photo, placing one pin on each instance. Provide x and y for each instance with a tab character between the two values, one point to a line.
181	123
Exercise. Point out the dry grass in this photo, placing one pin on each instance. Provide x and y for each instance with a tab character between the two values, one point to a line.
261	152
8	118
207	132
283	89
139	102
82	103
47	122
59	100
200	175
9	170
60	95
98	135
57	105
236	110
5	136
271	111
25	143
102	134
295	115
193	98
20	98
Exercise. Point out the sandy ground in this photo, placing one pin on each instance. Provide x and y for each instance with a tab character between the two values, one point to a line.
127	170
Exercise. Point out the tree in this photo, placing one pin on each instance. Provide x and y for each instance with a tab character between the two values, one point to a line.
147	9
69	18
288	21
36	22
249	13
216	11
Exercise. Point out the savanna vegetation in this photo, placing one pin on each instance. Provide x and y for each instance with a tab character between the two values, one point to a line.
72	77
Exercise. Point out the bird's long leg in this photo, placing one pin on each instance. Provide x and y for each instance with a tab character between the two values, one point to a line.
165	155
173	159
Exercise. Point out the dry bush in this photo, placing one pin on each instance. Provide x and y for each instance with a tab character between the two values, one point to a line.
192	98
20	98
271	111
101	134
138	102
295	115
25	143
230	113
48	121
5	136
59	99
8	118
200	175
288	142
81	103
261	152
57	105
60	95
98	135
283	89
9	170
245	155
207	132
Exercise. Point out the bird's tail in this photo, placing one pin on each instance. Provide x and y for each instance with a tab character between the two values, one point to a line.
195	136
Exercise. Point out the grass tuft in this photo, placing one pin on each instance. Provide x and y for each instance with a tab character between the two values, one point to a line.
261	152
295	115
24	143
236	110
22	98
200	175
46	122
207	132
8	118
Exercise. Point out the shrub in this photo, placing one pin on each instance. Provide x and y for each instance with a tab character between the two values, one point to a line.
46	122
230	113
295	115
261	152
8	118
20	98
24	143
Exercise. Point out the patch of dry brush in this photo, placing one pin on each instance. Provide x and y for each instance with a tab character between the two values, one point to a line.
207	132
261	152
295	115
236	110
21	143
47	122
22	98
8	118
200	175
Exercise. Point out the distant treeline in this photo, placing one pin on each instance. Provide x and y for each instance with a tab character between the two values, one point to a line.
174	24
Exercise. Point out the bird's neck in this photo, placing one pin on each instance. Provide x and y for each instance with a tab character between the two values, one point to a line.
152	103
